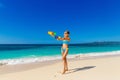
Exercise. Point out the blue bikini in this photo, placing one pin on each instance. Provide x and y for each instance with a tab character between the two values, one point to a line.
65	42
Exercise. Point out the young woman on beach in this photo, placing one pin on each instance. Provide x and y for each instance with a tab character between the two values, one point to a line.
65	49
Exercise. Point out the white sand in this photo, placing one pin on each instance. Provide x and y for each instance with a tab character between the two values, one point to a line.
92	69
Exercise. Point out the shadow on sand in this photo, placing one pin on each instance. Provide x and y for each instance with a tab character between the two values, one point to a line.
80	69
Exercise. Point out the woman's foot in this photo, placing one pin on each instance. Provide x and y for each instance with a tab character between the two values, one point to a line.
64	72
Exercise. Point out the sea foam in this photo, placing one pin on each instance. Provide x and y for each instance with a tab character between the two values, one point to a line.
50	58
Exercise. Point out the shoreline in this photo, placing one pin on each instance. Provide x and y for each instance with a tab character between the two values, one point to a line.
7	69
99	68
30	60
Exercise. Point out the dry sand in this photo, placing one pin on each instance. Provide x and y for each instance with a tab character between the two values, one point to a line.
106	68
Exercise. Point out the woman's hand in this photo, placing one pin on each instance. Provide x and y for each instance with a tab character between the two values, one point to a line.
58	38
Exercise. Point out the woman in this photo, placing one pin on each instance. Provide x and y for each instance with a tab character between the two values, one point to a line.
65	49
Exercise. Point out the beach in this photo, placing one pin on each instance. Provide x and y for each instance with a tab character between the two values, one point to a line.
101	68
41	39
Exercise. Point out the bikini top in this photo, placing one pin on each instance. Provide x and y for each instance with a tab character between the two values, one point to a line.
65	42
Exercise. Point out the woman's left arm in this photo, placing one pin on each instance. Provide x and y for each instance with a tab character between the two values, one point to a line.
68	39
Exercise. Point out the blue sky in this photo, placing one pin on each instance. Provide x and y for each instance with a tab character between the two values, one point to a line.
27	21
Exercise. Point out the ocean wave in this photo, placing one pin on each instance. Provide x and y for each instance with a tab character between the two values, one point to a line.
49	58
27	60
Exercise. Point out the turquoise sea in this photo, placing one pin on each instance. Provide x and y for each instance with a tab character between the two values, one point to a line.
13	54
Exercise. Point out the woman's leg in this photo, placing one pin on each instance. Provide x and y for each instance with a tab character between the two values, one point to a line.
66	64
65	61
64	67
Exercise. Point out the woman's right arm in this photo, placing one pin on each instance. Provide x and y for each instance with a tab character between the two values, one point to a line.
60	38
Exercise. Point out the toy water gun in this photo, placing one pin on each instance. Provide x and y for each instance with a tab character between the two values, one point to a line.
53	34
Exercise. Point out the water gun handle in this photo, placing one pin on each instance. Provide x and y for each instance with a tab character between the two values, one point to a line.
57	37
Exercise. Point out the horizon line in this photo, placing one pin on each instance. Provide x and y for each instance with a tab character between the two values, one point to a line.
60	44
